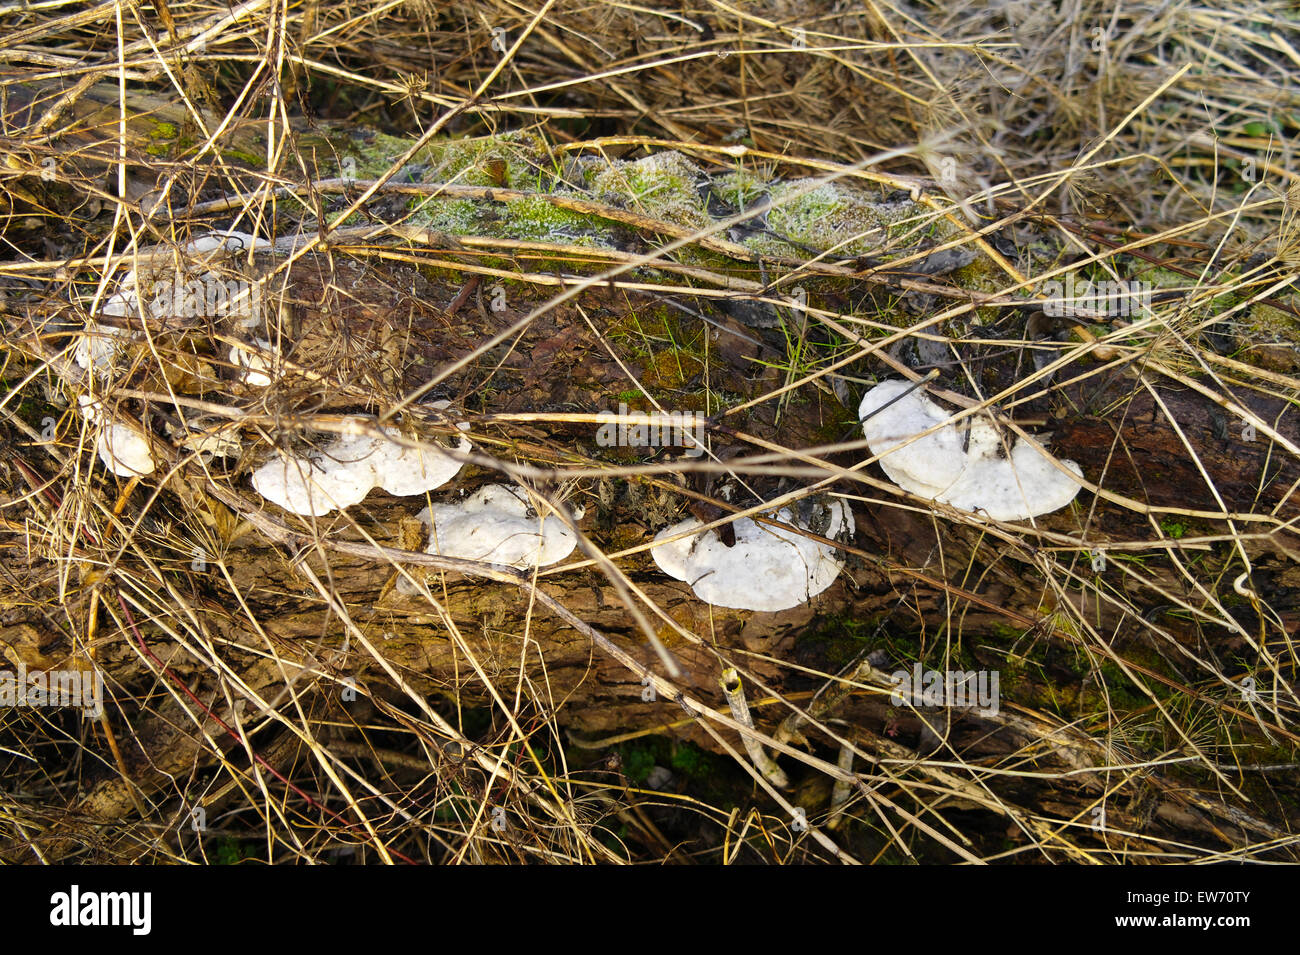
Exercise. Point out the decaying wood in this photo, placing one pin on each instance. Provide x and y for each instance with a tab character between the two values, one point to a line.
1164	448
571	638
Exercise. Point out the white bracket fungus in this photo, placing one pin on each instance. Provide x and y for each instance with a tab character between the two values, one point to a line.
967	469
337	476
499	526
100	345
123	449
251	367
344	472
405	471
768	569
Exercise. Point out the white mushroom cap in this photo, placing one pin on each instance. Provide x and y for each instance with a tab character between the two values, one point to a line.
768	569
124	301
252	366
99	345
232	240
493	525
344	472
316	484
405	471
928	465
123	449
977	477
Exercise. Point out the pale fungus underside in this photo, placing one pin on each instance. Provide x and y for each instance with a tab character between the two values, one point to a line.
970	465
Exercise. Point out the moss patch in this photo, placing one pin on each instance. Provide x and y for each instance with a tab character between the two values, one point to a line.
510	160
740	189
828	216
672	351
662	186
1270	338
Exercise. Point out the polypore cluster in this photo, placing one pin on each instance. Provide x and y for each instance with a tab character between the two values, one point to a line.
498	525
123	449
969	467
345	471
767	569
99	345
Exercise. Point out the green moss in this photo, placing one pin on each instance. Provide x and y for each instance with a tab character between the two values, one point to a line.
740	189
672	352
537	218
1269	337
826	216
453	216
171	140
1267	320
1173	528
251	160
1123	694
232	852
661	186
839	640
1205	305
163	138
691	761
356	219
835	421
642	755
510	159
985	275
1006	632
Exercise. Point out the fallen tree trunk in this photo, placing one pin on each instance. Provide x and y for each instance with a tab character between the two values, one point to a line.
239	639
291	606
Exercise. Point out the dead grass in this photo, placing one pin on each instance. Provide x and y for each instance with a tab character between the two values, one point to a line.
270	695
